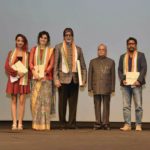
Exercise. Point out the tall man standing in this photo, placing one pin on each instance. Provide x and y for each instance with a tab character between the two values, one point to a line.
101	82
66	76
133	65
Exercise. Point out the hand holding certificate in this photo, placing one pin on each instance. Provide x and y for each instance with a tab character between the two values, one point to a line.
18	66
39	70
131	77
79	73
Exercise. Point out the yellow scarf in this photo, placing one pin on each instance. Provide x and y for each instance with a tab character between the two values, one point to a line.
134	62
45	57
65	66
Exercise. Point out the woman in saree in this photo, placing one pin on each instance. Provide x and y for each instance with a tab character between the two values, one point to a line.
42	94
18	82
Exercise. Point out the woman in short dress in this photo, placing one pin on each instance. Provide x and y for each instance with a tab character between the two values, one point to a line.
18	82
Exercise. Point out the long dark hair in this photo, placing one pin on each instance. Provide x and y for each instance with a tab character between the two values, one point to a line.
25	47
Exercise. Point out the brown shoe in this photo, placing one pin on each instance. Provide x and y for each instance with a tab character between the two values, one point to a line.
138	128
126	127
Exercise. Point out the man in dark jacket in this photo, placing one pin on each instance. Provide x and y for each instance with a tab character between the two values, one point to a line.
101	82
132	62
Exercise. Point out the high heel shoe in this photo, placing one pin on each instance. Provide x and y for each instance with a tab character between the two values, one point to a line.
14	127
20	127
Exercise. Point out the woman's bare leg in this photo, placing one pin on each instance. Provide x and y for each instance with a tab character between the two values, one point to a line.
21	110
14	111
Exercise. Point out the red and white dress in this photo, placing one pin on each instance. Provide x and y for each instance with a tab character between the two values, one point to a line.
16	87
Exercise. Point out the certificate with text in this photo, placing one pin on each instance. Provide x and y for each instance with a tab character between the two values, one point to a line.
131	77
39	69
18	66
79	73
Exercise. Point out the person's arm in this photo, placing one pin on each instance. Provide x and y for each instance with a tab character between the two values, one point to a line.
83	68
143	70
120	71
56	67
51	64
113	77
90	77
29	71
9	70
31	63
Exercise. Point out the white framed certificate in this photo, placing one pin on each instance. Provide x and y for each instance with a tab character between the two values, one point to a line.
131	77
18	66
39	69
79	73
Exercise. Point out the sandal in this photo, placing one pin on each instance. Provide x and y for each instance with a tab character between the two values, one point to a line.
20	127
14	127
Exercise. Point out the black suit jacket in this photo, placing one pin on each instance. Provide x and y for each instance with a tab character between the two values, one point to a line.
141	66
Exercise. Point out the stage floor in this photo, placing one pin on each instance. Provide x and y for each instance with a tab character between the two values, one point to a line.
79	139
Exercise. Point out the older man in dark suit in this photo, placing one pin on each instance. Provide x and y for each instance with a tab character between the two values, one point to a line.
66	76
101	82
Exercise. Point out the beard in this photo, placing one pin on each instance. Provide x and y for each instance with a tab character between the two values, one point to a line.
131	49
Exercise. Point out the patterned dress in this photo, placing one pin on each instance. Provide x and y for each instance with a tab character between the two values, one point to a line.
42	95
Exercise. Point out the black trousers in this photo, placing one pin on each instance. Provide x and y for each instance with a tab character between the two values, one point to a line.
68	93
98	99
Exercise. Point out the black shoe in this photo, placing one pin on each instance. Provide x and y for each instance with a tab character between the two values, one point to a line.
73	126
63	126
97	126
106	127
